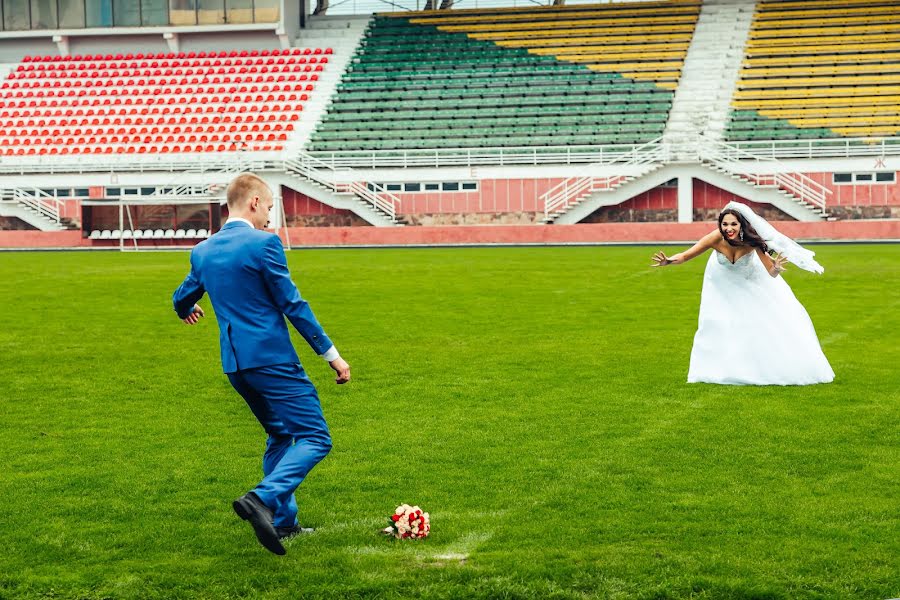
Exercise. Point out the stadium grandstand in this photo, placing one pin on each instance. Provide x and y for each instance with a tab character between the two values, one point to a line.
379	122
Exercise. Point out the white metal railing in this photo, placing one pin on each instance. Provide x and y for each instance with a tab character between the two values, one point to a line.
574	155
319	172
185	163
40	202
367	7
762	171
376	195
473	157
451	157
822	148
631	164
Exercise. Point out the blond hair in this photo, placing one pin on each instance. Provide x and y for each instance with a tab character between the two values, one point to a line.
243	187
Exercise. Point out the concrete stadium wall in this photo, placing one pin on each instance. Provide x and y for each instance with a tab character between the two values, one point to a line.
596	233
516	202
861	201
661	205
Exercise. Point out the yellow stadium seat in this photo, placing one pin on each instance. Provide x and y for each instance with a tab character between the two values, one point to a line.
871	121
819	92
643	57
561	9
631	49
802	111
801	70
627	24
823	49
570	37
823	31
766	5
826	40
832	59
658	76
875	99
867	131
827	13
502	34
836	19
631	13
815	82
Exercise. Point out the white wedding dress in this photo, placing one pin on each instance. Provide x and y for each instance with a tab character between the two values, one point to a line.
753	330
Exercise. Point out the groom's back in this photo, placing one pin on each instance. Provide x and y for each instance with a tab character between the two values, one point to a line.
231	266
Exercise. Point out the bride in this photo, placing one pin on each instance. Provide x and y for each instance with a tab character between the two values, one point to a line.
752	330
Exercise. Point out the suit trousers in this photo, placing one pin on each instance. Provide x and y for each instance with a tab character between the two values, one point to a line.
286	404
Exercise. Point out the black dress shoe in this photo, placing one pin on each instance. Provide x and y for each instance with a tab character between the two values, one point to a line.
286	533
250	508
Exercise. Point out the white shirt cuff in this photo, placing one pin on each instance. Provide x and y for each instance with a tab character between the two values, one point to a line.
331	354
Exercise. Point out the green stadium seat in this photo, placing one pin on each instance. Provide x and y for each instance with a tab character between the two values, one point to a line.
418	81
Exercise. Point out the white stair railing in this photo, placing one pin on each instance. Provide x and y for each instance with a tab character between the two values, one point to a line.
318	171
558	198
376	195
40	202
765	171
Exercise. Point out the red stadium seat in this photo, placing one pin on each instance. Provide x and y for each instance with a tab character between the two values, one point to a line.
126	95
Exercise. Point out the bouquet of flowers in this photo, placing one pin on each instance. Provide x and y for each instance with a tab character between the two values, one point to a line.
408	522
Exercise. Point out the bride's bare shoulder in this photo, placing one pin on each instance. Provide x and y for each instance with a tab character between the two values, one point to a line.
712	239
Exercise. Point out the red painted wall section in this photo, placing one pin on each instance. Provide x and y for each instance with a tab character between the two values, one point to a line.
708	196
502	234
573	234
522	196
859	194
42	239
861	200
493	196
296	204
71	209
303	211
659	198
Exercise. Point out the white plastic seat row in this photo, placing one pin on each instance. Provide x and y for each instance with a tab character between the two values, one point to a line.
147	234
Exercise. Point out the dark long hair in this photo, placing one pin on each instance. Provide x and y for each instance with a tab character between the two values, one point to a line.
751	238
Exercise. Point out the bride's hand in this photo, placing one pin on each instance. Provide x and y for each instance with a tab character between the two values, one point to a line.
660	260
778	263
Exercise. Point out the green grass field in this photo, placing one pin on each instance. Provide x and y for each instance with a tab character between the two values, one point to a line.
532	399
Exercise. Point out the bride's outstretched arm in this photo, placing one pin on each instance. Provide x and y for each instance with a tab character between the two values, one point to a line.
706	242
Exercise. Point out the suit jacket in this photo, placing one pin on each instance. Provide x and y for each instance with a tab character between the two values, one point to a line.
245	272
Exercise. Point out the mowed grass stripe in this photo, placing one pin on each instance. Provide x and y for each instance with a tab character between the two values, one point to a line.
532	399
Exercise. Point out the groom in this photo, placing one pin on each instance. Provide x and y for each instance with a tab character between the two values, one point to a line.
244	270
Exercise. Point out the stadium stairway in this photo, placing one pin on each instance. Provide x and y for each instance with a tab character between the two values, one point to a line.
582	206
34	207
342	35
308	175
702	102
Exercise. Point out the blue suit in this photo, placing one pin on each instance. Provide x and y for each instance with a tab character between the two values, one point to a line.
245	272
